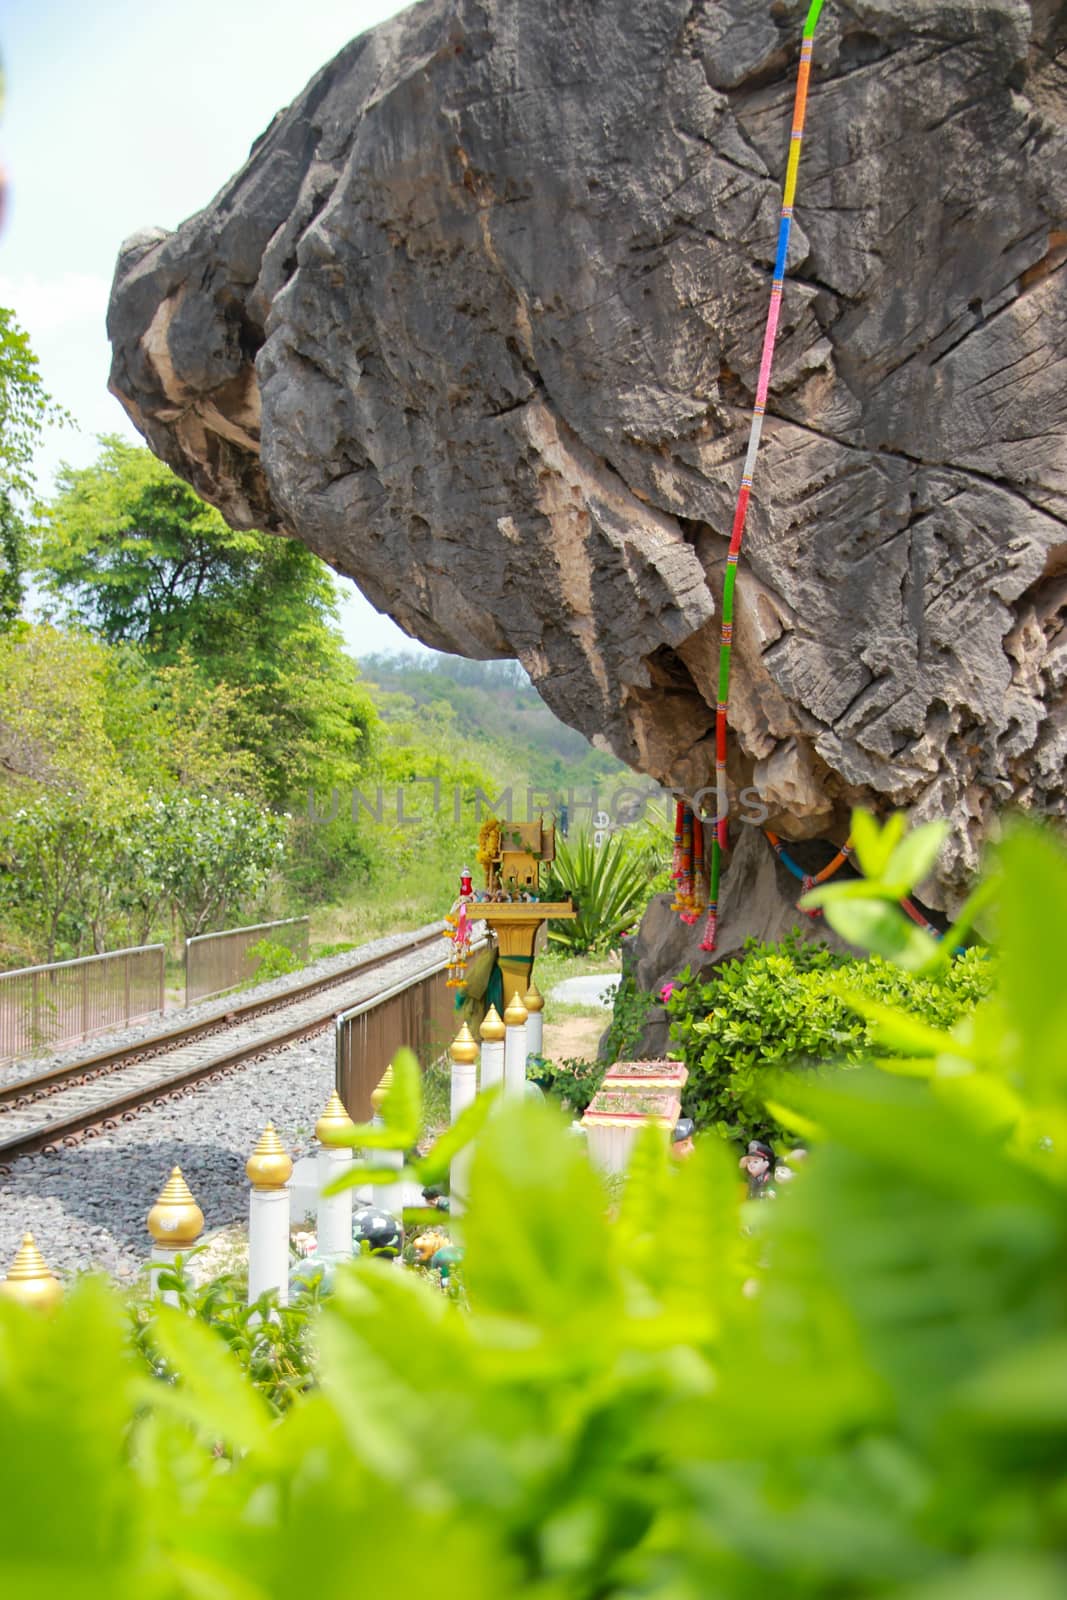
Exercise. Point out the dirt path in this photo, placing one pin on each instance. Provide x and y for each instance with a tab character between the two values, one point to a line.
574	1038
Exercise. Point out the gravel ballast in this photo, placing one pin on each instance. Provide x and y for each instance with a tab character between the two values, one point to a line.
86	1206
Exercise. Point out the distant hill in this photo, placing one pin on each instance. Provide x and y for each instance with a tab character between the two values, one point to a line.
495	703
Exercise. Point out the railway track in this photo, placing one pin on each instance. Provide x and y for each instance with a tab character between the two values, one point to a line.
59	1107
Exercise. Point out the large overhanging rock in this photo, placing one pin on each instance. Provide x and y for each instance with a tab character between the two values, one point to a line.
480	321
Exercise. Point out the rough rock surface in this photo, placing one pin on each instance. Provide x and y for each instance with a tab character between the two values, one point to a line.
480	321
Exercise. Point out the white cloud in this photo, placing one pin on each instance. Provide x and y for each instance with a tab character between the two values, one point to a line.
45	306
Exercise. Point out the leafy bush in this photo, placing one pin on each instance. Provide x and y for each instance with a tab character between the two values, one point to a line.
209	854
602	1415
572	1082
785	1006
629	1013
272	961
610	886
270	1343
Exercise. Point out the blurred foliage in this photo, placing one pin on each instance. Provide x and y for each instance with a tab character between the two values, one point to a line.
858	1393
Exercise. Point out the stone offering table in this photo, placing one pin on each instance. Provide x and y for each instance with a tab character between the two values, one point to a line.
632	1095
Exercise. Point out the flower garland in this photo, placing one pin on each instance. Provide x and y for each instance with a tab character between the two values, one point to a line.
689	867
459	929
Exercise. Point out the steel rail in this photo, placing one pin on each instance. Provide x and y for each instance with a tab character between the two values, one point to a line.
224	1017
64	1129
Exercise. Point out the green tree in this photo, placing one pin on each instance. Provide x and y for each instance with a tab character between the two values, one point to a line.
25	409
129	551
207	854
53	722
60	865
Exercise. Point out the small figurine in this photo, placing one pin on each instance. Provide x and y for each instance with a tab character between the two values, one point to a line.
758	1164
785	1172
378	1230
427	1245
682	1138
443	1260
310	1273
437	1198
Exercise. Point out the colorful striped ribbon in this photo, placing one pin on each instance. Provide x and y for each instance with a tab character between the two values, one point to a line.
810	881
721	837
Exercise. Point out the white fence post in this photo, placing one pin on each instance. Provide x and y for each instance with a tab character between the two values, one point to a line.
334	1229
535	1021
388	1196
175	1223
464	1088
492	1032
515	1048
269	1170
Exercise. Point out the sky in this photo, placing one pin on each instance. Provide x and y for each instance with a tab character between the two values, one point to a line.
120	115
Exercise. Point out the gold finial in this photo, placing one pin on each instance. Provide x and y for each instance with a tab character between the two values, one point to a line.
492	1028
334	1120
175	1220
29	1280
534	1000
464	1049
515	1015
269	1167
385	1083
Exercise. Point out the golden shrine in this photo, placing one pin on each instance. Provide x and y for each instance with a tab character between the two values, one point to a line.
512	854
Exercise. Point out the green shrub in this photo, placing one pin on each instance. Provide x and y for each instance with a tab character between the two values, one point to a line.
629	1013
272	961
271	1344
784	1006
572	1082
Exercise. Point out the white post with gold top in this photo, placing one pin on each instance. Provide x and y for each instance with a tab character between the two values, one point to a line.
464	1089
269	1170
175	1223
334	1232
514	1049
29	1280
492	1034
535	1021
389	1196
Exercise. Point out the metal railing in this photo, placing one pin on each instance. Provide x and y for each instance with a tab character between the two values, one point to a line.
216	962
418	1012
44	1007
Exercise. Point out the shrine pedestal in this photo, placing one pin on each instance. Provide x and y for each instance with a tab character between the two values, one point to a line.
516	927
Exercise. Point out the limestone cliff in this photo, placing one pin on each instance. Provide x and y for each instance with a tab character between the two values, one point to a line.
479	321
